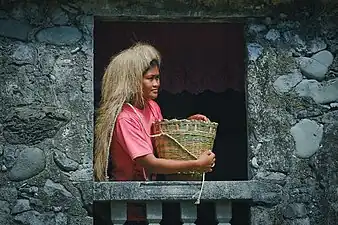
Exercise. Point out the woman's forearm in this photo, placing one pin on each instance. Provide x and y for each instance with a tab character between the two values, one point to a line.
168	166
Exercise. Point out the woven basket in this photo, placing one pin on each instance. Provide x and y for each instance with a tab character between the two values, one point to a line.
183	140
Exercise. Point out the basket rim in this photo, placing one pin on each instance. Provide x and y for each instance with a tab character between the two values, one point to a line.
168	121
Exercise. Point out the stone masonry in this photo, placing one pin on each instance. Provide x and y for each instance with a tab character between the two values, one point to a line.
46	113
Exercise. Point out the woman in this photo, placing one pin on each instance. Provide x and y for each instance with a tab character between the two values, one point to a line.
127	109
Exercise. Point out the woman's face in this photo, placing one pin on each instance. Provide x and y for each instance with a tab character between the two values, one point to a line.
151	83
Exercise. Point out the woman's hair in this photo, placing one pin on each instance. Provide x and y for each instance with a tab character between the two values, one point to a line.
121	83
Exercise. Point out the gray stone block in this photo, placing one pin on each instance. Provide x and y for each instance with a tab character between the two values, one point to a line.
33	124
308	135
63	35
14	29
30	162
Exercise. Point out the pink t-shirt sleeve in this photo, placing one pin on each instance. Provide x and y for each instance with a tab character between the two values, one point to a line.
132	138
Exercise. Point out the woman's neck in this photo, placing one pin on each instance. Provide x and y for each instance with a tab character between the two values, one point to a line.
141	106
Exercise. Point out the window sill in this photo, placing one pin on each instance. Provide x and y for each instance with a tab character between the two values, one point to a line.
252	190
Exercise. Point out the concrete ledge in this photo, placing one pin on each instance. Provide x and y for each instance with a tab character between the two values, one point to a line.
255	191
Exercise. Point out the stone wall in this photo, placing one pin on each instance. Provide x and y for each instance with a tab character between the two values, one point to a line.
292	103
46	114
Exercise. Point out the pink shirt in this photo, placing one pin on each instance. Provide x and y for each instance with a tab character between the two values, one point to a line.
131	140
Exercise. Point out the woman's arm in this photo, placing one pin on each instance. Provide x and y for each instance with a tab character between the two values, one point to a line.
166	166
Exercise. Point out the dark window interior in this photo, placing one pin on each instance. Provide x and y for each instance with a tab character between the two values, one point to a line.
202	71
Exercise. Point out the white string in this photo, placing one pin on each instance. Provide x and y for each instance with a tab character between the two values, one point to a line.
198	201
172	138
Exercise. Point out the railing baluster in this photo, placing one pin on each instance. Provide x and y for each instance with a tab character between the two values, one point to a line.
118	212
154	212
188	212
223	212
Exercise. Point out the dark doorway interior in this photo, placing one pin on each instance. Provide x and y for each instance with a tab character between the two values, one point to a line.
228	109
203	71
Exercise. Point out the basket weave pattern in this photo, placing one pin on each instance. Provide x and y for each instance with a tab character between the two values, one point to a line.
183	139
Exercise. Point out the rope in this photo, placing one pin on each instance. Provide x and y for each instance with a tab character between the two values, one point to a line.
198	201
177	142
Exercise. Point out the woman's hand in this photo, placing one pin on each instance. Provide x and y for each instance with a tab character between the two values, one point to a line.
206	161
198	117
